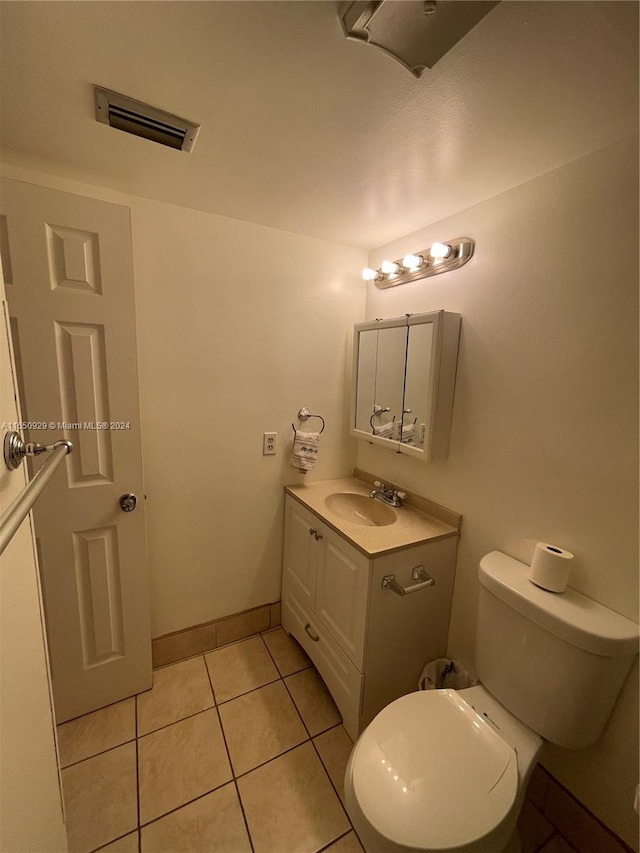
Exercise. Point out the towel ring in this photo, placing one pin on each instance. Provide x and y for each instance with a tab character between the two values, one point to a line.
304	414
378	410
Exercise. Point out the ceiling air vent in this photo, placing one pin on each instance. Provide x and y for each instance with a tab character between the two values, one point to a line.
142	120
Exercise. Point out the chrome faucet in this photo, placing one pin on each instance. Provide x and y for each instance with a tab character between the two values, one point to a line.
388	496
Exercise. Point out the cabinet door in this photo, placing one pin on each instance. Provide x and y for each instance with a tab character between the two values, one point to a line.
342	587
300	552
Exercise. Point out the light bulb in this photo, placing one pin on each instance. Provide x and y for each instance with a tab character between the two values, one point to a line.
440	250
389	267
412	262
369	274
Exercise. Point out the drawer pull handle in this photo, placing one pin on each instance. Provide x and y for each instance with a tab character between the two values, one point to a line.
314	637
313	532
418	574
318	536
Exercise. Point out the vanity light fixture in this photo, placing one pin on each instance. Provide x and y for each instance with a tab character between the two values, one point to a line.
369	274
438	258
440	250
413	262
390	267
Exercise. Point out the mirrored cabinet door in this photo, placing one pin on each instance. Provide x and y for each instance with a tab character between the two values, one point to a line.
380	359
404	377
418	380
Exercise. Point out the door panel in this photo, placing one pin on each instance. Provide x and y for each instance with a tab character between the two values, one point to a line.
342	594
72	301
300	551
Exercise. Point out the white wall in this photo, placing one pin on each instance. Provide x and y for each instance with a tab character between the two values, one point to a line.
544	442
239	326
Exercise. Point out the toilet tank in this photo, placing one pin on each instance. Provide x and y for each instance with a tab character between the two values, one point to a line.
556	661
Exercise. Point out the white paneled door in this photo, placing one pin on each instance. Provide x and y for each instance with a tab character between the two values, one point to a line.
71	300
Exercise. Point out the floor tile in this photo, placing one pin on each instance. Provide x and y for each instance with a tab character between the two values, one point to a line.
577	825
538	786
533	827
289	656
349	843
335	748
260	725
178	691
100	798
213	823
290	804
181	762
239	668
557	844
313	701
97	732
128	844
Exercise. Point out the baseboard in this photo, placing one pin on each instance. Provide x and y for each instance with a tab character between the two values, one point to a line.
197	639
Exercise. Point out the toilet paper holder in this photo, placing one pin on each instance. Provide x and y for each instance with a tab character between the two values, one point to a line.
418	574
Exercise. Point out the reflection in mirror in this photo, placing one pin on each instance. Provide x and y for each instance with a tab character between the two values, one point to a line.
404	380
418	371
386	415
380	366
366	382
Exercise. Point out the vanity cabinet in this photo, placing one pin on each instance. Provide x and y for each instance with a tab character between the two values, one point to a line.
368	643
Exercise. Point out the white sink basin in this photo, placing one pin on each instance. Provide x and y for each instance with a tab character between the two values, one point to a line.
360	509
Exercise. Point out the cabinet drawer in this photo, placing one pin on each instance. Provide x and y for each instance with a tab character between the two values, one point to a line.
339	674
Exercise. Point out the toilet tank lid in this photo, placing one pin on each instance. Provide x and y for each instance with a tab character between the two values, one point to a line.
570	615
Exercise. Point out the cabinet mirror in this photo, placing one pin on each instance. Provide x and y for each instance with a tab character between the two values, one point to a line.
404	376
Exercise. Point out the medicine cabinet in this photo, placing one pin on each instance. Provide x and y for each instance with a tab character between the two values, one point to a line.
403	383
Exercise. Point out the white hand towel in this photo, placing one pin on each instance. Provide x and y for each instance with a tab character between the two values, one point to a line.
304	453
384	430
408	433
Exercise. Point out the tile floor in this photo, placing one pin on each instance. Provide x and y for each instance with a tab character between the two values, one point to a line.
239	749
242	750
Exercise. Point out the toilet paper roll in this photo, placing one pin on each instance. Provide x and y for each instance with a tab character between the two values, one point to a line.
550	567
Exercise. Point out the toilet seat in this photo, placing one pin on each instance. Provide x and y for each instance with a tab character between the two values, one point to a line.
429	773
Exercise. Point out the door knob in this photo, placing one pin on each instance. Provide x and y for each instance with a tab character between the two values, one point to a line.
128	502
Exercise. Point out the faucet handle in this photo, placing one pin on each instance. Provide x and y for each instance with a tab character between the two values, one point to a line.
401	495
378	484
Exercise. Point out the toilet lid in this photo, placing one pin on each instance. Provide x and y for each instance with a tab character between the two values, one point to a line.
430	773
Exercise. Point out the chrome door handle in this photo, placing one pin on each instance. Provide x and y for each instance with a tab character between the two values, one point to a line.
128	502
314	637
418	574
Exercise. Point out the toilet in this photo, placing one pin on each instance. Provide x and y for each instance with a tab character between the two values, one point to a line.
445	770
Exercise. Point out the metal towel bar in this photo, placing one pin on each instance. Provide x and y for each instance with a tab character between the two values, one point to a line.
418	574
15	514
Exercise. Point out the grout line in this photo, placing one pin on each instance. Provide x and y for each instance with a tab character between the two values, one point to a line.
183	805
138	778
226	746
180	720
335	840
274	758
252	690
95	711
113	841
322	764
96	754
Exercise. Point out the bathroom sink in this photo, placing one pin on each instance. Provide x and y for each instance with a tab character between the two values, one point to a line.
360	509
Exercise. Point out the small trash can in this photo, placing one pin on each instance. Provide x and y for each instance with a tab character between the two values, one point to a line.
442	673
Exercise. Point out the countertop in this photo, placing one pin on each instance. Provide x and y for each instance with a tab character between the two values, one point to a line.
412	527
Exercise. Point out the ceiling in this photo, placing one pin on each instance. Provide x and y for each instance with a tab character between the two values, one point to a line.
303	130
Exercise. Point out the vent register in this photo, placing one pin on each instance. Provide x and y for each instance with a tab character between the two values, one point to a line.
143	120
